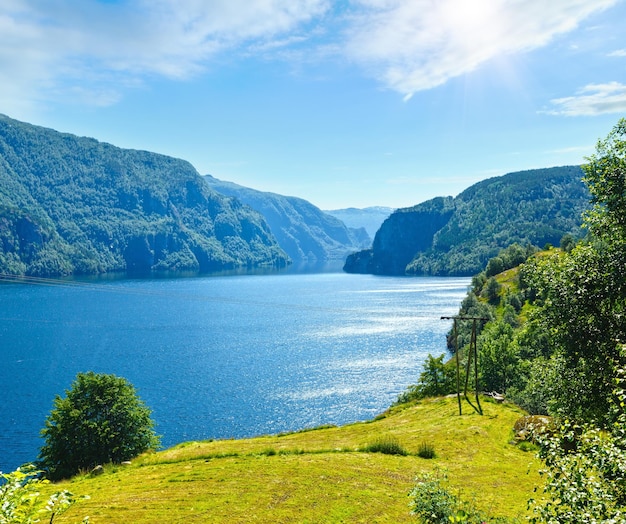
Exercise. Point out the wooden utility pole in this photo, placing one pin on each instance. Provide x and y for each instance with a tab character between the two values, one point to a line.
473	354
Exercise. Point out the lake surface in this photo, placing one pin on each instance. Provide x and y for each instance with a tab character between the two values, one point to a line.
221	357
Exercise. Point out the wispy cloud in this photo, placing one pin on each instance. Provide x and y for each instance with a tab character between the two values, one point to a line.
571	150
591	100
97	49
420	44
618	53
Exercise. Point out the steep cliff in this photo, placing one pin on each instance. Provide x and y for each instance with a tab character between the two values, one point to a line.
72	205
402	234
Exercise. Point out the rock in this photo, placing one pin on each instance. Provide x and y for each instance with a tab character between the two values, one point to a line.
527	427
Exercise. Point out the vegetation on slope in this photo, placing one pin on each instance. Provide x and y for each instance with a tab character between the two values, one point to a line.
71	205
305	232
457	236
555	344
321	475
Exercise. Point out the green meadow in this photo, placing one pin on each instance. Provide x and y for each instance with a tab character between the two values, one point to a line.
326	474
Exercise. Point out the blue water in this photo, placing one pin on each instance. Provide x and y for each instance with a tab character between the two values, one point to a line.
221	357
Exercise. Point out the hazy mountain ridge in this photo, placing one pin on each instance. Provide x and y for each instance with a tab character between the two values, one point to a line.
370	218
457	236
305	232
74	205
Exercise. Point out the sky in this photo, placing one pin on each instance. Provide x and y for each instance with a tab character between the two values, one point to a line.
351	103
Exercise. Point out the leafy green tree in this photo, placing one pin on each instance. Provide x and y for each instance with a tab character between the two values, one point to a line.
585	469
22	503
491	291
498	356
101	420
582	301
582	293
438	378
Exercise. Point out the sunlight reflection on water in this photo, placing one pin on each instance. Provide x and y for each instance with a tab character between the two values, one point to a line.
222	357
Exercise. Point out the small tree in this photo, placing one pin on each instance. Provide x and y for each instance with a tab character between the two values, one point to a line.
101	420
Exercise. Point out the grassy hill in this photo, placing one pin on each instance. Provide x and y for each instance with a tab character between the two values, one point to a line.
319	475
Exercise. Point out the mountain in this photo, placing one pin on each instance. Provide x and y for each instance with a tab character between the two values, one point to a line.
305	232
457	236
369	218
72	205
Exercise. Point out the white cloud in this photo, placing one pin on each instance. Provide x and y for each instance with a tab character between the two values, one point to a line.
91	51
618	53
591	100
412	45
64	46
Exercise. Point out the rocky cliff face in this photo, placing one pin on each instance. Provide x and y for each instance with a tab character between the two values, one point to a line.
305	232
406	232
71	205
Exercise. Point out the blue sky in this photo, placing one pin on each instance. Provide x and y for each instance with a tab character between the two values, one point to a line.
350	103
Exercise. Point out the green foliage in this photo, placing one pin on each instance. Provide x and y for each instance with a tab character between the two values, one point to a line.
101	420
434	503
498	356
305	232
426	450
526	208
71	205
386	445
585	473
438	378
22	503
510	257
491	291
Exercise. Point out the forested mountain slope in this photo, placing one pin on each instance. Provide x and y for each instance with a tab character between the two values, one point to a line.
305	232
457	236
72	205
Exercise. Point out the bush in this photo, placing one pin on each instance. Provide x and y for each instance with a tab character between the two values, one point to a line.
433	503
22	503
386	445
426	450
101	420
438	378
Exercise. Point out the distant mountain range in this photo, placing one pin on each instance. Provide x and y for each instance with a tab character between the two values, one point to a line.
71	205
306	233
457	236
369	218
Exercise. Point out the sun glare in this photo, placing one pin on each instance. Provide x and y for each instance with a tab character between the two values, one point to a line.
471	24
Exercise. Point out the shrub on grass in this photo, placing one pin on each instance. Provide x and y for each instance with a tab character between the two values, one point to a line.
426	450
386	445
433	503
101	420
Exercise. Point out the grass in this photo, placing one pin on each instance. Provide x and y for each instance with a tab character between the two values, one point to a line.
426	450
321	475
387	445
